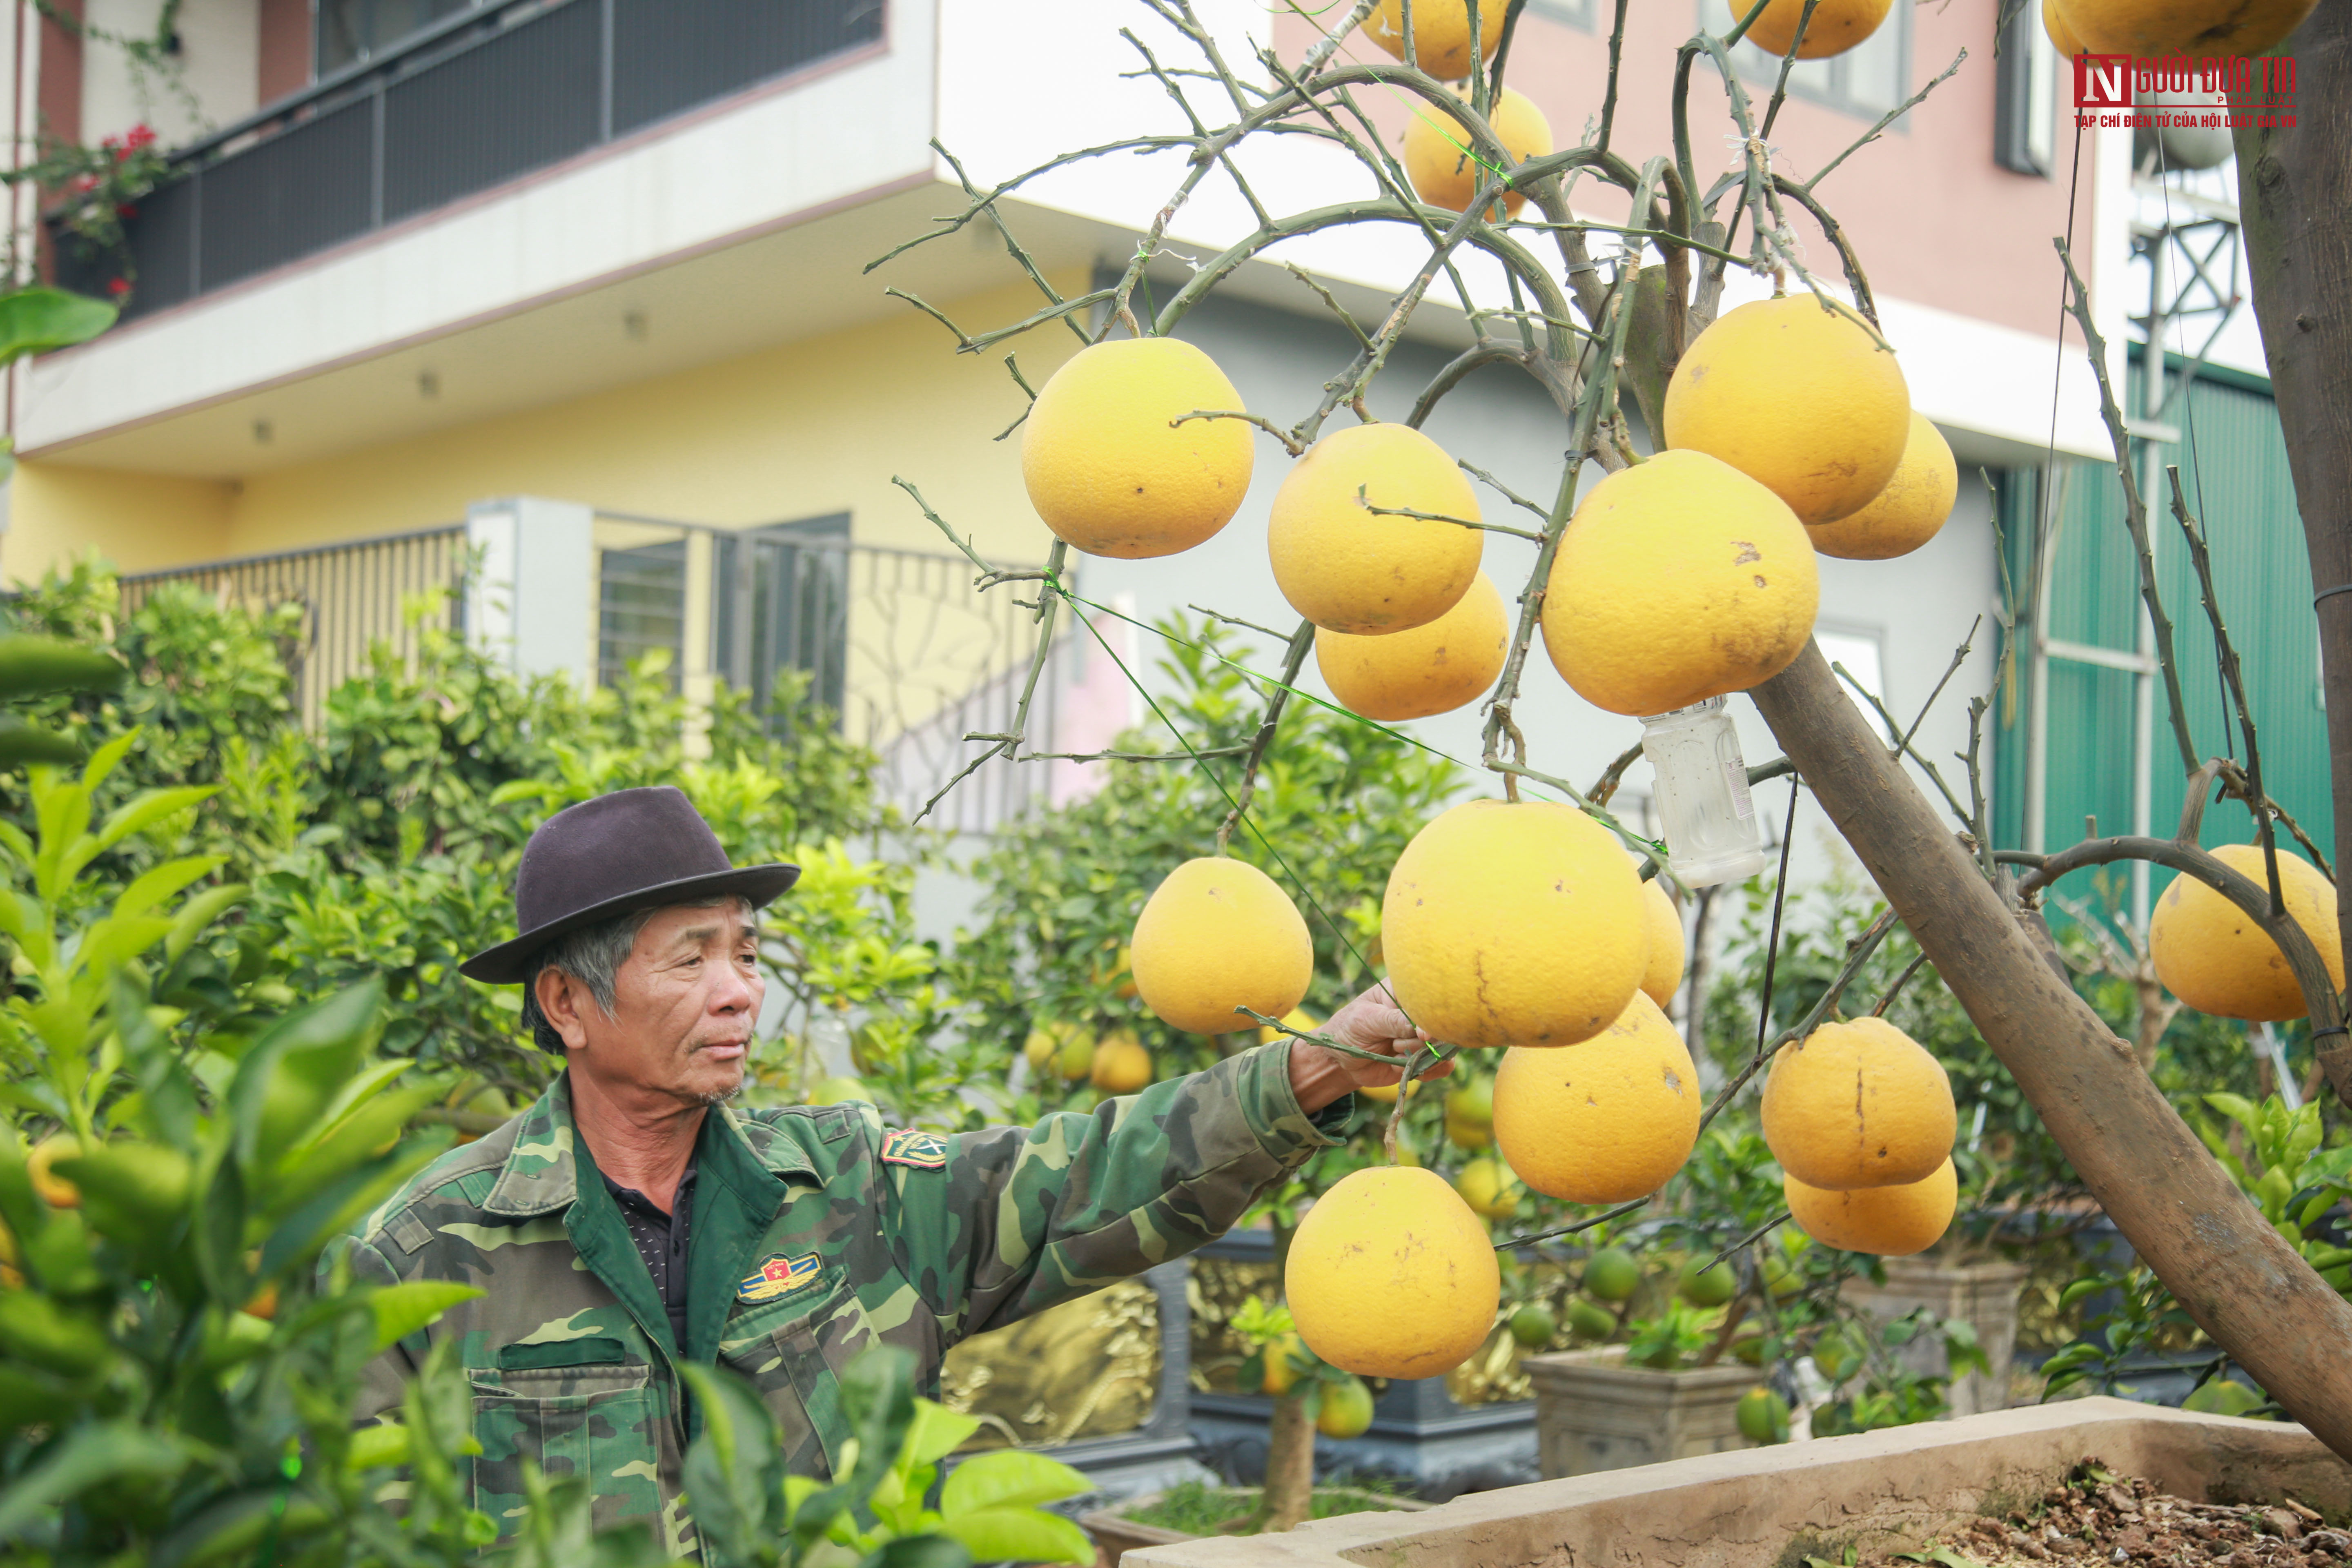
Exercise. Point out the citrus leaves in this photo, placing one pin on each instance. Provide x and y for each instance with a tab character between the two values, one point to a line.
752	1515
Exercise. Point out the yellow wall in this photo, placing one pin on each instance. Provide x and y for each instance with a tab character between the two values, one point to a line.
137	522
814	428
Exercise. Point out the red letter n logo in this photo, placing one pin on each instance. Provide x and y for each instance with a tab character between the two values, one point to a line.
2103	81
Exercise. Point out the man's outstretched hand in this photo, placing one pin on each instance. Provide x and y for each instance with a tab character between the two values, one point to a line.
1372	1022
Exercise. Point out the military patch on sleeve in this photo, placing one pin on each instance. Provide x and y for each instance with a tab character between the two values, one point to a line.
780	1276
912	1146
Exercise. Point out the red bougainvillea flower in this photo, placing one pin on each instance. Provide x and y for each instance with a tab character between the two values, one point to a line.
140	136
118	285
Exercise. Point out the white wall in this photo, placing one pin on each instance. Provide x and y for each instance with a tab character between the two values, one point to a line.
215	80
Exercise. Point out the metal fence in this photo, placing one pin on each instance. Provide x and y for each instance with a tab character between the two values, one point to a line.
354	597
465	104
896	642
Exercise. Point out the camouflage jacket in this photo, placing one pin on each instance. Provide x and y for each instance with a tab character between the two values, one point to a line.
816	1232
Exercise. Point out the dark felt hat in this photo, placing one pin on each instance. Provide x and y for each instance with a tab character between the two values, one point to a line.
632	849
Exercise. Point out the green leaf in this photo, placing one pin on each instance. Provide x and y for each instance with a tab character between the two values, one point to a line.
38	320
197	914
22	743
101	1452
735	1470
1008	1477
401	1310
35	665
1018	1536
373	1448
294	1071
920	1551
162	882
937	1432
147	808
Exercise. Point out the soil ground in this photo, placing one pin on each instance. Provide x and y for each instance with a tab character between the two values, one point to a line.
2099	1517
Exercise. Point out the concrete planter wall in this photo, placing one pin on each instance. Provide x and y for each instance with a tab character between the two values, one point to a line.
1758	1507
1116	1535
1983	1295
1594	1413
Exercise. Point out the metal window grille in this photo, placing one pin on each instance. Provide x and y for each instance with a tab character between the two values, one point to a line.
641	606
354	596
466	103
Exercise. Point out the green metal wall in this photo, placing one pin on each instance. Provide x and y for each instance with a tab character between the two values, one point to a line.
2233	468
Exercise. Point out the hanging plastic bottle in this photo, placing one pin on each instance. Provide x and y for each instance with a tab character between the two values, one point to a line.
1701	790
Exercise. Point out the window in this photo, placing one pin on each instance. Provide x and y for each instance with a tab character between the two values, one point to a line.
1590	14
640	606
349	31
783	603
2025	95
1866	81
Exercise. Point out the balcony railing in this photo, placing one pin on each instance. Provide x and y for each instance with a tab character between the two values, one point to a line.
895	642
467	104
353	596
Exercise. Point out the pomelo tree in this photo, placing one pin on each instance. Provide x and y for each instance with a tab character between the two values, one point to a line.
1685	572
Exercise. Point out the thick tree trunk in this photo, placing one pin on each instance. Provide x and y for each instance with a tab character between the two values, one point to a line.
2240	1281
2295	196
1289	1465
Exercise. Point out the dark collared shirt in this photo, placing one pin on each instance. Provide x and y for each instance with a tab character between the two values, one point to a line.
662	1240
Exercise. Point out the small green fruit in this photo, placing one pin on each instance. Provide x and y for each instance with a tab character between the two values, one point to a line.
1473	1104
1705	1285
1780	1280
1346	1410
2222	1396
1587	1321
1748	1348
1836	1357
1534	1327
1611	1275
1763	1416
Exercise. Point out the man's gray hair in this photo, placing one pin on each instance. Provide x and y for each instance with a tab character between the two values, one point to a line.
593	955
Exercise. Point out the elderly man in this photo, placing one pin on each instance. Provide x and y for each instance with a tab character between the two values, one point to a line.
628	1221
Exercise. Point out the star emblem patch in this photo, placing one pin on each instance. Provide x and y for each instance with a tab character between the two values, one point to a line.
912	1146
780	1277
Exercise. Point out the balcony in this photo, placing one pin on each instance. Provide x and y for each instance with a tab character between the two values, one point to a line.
482	98
893	643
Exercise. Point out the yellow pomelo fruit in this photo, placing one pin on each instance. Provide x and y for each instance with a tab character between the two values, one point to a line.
1045	1041
1908	512
1665	975
1676	581
1837	26
1441	34
1386	1093
1108	472
1513	925
1217	935
1347	1409
1297	1018
1488	1188
1433	668
1074	1059
2215	958
1120	1065
1893	1222
2061	36
1859	1104
1609	1121
2201	30
1391	1275
1281	1370
53	1189
1446	167
1798	397
1464	1134
1349	569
